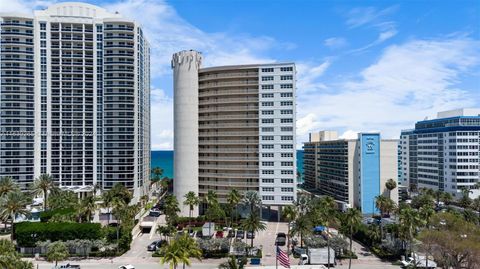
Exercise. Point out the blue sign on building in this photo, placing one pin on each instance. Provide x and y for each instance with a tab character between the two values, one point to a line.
369	171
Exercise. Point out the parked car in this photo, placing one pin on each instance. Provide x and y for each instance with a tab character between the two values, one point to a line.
240	234
128	266
199	234
231	234
191	233
155	213
219	234
281	239
250	235
155	245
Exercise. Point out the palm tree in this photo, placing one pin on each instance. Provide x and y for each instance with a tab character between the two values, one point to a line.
179	251
107	202
409	222
57	251
289	214
302	204
190	247
157	175
191	200
426	212
302	227
326	214
465	200
234	197
231	263
11	204
390	185
353	218
381	203
374	233
252	200
7	185
446	198
43	185
253	224
171	208
87	207
9	257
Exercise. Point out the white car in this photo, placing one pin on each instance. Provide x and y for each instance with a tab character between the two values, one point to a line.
128	266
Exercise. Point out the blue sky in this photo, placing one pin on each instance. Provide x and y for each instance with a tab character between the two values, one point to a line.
362	65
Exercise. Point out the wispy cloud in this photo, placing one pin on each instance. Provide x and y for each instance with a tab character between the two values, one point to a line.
361	16
409	81
335	42
168	33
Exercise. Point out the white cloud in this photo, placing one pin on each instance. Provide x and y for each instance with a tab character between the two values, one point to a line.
335	42
408	82
308	74
168	33
365	15
23	6
161	120
349	134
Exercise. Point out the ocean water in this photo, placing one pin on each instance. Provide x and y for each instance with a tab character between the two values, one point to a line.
164	160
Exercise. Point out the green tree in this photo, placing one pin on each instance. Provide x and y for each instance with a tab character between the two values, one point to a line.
289	213
325	213
253	224
119	191
214	212
42	185
476	206
390	185
446	198
11	204
426	212
180	250
352	219
375	234
465	200
303	226
454	241
7	185
191	200
252	200
107	202
409	220
9	258
157	173
87	207
171	209
56	252
60	199
234	197
191	249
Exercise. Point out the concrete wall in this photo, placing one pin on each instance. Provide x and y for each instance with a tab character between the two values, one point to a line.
389	167
185	66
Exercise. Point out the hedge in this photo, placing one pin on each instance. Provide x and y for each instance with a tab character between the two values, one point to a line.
45	216
28	234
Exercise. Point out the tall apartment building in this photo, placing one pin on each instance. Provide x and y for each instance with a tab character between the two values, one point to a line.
234	129
352	171
442	153
75	98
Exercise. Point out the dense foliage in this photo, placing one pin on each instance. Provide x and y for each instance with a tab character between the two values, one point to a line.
28	234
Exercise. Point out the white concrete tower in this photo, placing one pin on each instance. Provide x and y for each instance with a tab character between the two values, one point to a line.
185	66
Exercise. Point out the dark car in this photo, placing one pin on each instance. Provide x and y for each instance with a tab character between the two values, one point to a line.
199	234
240	234
250	235
281	239
219	234
155	245
231	234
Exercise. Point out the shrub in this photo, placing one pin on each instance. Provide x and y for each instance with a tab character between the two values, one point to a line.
45	216
28	234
